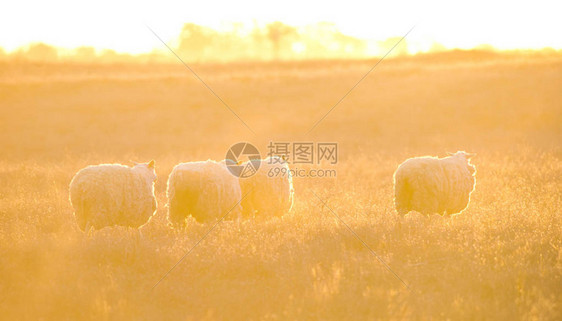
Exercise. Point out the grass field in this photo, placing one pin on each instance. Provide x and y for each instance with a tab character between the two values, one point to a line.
500	259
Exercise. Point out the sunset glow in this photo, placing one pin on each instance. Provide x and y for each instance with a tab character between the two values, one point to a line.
120	26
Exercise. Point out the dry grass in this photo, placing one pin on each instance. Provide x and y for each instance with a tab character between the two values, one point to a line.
501	259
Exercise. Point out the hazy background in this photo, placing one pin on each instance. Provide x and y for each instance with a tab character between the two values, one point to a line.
254	30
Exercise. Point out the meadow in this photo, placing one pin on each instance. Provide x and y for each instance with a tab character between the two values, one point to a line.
501	259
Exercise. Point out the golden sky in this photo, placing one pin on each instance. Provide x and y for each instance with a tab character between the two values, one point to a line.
121	26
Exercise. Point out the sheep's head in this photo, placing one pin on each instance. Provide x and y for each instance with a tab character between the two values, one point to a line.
148	170
466	159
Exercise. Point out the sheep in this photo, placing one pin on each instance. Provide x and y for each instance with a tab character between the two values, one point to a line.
269	192
205	190
113	195
432	185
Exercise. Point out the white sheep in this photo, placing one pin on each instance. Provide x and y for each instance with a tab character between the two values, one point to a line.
113	194
432	185
205	190
269	192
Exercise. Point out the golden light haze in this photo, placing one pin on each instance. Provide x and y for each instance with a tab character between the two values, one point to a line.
121	26
500	260
282	72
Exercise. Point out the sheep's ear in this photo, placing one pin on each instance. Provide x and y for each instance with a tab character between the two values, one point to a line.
470	155
150	164
450	154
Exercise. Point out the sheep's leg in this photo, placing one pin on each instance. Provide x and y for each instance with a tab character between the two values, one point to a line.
135	234
402	197
89	229
238	222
